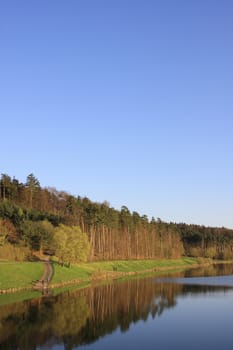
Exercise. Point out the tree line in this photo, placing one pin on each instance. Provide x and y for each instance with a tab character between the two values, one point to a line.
79	229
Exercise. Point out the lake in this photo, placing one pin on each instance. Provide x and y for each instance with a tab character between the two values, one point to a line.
186	310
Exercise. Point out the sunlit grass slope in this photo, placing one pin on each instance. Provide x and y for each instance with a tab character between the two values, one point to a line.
86	270
19	274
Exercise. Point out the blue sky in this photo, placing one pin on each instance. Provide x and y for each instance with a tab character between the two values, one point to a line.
128	101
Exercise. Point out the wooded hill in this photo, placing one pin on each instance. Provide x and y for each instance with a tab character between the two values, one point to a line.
30	216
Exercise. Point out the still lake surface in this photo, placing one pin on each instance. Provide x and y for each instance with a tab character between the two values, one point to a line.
189	310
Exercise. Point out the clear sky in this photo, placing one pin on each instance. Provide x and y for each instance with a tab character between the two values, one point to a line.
129	101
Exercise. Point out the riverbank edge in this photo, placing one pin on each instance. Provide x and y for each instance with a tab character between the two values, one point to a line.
104	275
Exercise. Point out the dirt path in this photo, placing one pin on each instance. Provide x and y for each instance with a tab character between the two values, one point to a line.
46	278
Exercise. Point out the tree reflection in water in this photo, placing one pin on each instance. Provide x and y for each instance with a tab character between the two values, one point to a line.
81	317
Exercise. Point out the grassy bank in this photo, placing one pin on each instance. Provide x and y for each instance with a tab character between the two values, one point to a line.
19	274
115	269
22	274
12	298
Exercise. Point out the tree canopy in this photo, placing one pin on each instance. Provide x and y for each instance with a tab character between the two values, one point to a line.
32	214
71	244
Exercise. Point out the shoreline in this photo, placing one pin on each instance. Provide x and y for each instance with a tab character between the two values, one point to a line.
115	275
101	275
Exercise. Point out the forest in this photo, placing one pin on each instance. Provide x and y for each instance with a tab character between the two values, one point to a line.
74	228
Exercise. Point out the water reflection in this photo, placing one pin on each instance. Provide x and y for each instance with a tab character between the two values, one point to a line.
215	275
212	270
82	317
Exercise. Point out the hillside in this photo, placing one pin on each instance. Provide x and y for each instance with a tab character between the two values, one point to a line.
30	216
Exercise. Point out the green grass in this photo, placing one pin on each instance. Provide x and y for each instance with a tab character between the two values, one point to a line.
62	273
19	296
19	274
85	270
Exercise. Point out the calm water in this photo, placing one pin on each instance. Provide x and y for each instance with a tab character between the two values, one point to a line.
191	310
